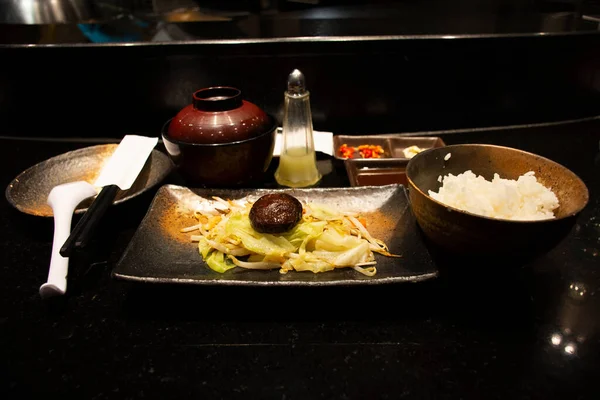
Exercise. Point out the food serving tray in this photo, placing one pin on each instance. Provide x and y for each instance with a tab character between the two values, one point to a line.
159	252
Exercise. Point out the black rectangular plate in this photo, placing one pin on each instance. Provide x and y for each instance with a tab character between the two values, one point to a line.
159	252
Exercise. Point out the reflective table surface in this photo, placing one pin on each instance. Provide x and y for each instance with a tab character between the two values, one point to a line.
479	331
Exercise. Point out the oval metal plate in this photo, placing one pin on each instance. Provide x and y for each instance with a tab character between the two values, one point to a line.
28	192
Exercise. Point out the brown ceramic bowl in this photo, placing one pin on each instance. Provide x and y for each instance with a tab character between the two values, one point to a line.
222	164
466	233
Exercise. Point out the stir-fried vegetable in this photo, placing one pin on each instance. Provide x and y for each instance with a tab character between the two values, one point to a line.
323	240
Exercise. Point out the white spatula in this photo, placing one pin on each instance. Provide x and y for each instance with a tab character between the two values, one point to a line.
63	199
120	172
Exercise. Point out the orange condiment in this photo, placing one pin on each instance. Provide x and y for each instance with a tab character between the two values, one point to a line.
365	151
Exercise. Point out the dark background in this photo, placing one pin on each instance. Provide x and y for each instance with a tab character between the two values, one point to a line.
45	21
363	85
107	68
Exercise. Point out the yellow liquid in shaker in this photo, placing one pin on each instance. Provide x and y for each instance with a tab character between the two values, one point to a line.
297	168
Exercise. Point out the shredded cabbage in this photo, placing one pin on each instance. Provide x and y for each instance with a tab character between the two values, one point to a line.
322	241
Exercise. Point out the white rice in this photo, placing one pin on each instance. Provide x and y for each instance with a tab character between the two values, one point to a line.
522	199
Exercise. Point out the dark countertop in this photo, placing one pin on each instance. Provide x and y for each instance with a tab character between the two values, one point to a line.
523	332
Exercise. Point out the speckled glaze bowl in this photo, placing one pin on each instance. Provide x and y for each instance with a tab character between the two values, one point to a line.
220	140
466	233
218	115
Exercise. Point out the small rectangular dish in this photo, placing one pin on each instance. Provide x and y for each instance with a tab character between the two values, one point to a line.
393	145
376	172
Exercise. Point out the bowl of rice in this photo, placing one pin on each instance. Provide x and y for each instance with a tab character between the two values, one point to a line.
486	199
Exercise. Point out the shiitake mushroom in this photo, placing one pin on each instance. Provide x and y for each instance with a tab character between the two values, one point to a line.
275	213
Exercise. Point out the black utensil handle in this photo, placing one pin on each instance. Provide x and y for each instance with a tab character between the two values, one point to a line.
84	229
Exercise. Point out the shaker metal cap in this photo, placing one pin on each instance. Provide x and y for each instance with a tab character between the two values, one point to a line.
296	84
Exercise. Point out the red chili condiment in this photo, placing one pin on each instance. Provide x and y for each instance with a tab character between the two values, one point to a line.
364	150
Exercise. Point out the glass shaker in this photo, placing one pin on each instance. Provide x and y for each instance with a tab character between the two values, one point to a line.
297	161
